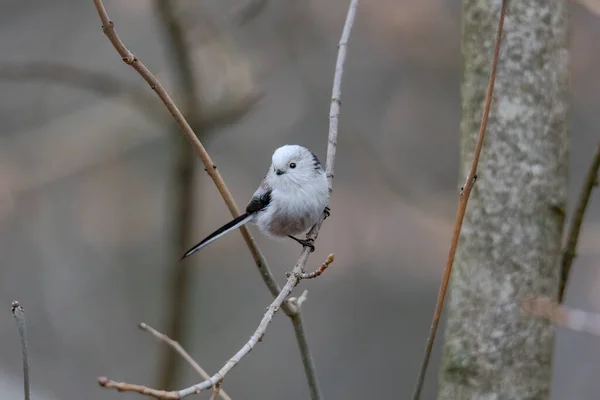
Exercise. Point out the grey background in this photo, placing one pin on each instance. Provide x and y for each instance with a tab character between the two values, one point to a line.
86	206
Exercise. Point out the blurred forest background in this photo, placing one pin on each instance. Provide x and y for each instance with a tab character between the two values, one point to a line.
91	196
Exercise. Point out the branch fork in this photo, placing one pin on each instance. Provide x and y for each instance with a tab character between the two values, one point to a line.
292	309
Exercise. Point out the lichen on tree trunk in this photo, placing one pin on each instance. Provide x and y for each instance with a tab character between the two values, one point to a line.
511	238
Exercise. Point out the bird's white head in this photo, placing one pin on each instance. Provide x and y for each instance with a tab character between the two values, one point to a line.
295	164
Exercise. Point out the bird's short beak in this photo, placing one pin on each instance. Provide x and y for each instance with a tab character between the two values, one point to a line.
279	172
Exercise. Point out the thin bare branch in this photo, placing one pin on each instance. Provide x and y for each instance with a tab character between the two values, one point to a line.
318	271
334	115
465	192
129	387
293	279
574	319
182	352
259	333
19	315
336	92
570	250
210	167
310	371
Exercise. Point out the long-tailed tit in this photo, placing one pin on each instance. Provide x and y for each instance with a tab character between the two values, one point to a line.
289	200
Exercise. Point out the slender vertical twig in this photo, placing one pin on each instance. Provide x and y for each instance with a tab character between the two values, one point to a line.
19	315
570	249
334	115
465	192
336	92
307	360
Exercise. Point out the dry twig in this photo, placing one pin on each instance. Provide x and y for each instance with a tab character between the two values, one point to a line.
317	272
217	378
574	319
184	354
19	315
465	192
293	279
570	250
211	169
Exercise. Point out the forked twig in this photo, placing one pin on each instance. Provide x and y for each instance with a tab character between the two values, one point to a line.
256	337
19	315
465	192
570	250
211	169
183	353
293	279
318	271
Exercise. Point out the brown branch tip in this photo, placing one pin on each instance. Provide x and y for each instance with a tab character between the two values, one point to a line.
128	387
310	275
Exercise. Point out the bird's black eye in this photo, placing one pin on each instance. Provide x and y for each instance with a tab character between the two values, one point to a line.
293	165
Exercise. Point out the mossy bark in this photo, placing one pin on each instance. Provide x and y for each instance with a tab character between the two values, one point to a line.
511	238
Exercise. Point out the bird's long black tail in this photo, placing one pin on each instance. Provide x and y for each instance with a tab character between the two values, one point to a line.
234	224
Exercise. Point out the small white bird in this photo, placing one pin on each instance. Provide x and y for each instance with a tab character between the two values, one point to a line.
289	200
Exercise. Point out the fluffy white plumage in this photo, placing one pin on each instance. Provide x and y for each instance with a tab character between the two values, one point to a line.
298	195
289	201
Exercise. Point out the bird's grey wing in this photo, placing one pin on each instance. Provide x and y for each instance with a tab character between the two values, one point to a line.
260	200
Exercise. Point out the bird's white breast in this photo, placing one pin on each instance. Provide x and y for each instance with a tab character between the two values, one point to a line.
294	208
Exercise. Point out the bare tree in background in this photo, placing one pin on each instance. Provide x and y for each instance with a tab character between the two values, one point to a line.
511	238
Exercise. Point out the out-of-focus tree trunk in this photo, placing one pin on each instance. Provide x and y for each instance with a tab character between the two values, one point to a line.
179	288
197	72
511	237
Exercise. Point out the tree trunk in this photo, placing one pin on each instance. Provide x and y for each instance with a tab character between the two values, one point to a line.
511	238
